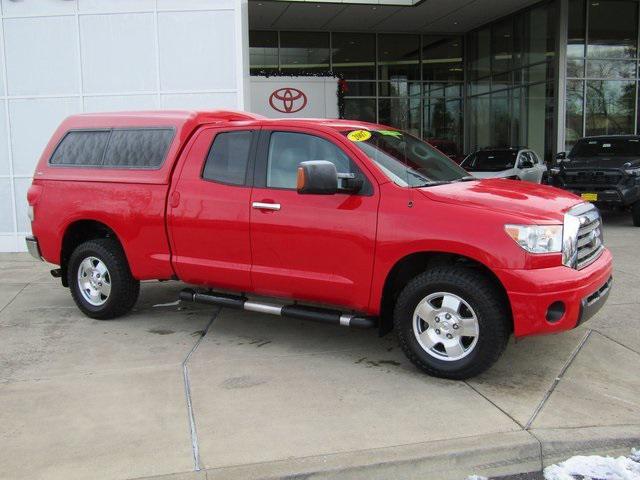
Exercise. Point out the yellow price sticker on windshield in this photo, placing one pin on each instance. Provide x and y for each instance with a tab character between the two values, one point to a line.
359	135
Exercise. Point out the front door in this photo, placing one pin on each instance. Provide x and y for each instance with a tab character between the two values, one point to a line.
311	247
209	210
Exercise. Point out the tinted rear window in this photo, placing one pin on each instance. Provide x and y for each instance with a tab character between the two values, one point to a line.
607	147
116	148
491	161
81	148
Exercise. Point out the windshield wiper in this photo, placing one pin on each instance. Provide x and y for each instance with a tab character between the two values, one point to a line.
468	178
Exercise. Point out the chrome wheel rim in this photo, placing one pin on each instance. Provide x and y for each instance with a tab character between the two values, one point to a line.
94	281
445	326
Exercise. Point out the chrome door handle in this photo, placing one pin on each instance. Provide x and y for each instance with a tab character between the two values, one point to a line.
266	206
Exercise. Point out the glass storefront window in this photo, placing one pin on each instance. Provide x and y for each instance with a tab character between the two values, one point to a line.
442	126
304	51
479	54
500	120
398	57
574	112
577	28
402	113
442	58
606	102
613	29
360	109
539	32
354	55
610	107
263	51
611	69
512	103
502	46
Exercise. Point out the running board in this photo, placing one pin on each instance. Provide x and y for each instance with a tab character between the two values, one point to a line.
301	312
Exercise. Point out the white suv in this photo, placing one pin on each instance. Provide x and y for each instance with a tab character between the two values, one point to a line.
513	163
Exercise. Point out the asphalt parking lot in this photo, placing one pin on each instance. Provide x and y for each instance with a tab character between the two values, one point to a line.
190	392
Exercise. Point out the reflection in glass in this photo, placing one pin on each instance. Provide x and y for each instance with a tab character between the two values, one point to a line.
402	113
304	51
611	69
480	124
575	68
610	107
354	55
500	120
613	29
442	58
398	57
574	102
443	127
360	89
540	28
480	54
577	19
502	45
360	109
263	51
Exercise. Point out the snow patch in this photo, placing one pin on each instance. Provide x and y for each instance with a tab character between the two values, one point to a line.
595	467
476	477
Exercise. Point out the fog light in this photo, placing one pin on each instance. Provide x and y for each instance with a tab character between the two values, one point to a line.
555	312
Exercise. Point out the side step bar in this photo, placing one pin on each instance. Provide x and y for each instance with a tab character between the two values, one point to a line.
301	312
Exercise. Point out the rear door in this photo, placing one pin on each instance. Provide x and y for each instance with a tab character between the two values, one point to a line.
311	247
209	209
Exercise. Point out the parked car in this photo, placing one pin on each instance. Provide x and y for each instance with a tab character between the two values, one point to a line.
514	163
376	225
602	170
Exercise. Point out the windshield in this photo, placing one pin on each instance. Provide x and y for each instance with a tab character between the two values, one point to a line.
404	159
490	161
606	147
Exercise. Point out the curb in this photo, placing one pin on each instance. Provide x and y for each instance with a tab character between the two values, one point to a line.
493	455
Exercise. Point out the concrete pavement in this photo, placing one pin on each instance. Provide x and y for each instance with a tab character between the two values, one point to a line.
180	391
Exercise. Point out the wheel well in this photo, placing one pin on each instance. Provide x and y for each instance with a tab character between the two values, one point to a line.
416	263
77	233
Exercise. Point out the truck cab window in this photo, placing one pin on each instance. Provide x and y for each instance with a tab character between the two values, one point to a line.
287	150
228	157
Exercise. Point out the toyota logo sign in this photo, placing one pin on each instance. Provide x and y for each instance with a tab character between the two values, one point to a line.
288	100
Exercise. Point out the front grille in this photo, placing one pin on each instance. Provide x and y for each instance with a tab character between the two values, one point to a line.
592	177
589	239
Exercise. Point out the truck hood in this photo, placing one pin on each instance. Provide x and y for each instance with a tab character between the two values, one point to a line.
532	202
602	162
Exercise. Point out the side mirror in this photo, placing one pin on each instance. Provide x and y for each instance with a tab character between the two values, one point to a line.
561	156
318	177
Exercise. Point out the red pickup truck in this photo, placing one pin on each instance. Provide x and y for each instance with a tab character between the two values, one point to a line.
354	223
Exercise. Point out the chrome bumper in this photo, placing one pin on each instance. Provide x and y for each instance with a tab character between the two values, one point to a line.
33	247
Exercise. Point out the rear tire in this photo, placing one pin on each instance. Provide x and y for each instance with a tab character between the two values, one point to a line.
635	213
452	322
100	280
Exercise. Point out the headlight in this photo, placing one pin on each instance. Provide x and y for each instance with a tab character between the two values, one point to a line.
633	171
537	238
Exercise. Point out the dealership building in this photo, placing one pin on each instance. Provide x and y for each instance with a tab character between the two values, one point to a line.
463	74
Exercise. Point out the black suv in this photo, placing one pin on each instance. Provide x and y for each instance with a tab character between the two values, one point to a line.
602	170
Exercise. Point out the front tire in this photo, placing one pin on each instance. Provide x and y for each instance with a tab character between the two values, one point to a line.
452	322
100	280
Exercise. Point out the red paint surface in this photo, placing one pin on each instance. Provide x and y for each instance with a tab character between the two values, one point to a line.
336	249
